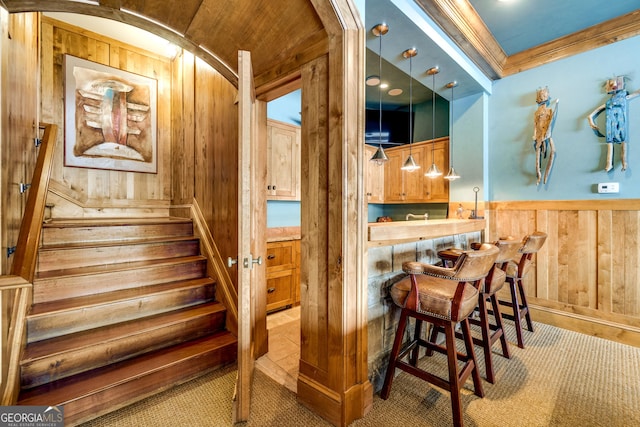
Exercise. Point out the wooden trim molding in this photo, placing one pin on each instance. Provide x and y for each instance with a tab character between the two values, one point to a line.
463	25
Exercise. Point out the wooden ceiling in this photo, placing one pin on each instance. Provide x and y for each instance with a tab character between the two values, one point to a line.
280	34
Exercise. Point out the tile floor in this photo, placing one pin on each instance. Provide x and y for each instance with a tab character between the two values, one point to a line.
281	362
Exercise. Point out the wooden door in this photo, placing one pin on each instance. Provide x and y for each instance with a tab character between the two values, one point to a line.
251	238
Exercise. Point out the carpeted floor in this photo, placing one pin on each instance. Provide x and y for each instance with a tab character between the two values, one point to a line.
562	378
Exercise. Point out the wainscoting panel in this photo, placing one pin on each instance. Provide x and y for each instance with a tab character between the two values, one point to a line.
586	275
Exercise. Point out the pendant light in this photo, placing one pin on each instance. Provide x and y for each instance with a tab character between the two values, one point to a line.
452	175
410	165
433	171
380	156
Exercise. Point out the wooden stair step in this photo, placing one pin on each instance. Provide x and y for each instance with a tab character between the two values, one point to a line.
81	254
72	283
55	358
55	318
91	394
113	229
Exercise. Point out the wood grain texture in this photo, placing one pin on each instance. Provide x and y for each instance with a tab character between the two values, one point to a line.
588	266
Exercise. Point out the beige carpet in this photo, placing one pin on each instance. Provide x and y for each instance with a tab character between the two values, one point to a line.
562	378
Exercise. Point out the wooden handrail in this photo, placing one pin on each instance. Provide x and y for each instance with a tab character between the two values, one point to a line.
18	286
24	262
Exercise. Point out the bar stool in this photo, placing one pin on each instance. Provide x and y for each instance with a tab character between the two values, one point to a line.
494	281
444	297
516	272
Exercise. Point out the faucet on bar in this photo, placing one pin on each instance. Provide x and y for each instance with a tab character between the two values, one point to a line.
424	215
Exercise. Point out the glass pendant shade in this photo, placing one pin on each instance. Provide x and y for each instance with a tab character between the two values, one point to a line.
410	164
380	156
433	171
452	175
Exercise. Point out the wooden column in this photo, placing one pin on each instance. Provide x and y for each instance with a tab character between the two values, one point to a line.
333	378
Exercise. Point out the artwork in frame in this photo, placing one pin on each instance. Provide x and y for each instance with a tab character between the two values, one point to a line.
110	118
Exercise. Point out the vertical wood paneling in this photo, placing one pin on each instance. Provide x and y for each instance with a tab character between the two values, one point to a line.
104	187
216	157
605	258
19	50
314	220
590	263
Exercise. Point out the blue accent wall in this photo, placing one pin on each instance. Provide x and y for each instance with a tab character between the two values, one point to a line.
580	155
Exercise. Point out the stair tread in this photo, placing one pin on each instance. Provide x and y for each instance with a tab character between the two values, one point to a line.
75	387
45	308
108	222
111	243
53	346
109	268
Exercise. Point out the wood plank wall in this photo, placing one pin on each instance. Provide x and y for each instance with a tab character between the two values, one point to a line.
104	188
20	121
587	274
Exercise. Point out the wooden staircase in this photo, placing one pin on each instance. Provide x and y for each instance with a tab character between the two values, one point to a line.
123	309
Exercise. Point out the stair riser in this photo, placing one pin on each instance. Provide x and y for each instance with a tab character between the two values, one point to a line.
59	259
60	235
84	318
76	286
62	365
86	407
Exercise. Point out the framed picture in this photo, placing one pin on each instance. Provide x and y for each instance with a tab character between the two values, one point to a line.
110	118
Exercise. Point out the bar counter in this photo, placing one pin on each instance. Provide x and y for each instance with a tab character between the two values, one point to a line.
390	233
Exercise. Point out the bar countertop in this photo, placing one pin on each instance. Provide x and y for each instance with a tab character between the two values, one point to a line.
389	233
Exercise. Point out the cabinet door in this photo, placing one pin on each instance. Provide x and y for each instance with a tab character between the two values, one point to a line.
280	256
279	289
393	185
437	189
413	181
283	161
374	174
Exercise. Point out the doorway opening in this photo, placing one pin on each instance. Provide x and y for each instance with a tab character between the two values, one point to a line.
282	360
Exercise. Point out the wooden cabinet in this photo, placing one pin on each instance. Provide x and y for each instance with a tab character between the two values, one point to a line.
283	274
374	177
283	161
413	187
437	189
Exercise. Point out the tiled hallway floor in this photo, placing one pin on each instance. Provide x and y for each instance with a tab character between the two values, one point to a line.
281	362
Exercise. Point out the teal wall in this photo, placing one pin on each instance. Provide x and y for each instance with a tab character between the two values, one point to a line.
580	155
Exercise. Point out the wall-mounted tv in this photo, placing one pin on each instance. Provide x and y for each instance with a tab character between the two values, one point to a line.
395	127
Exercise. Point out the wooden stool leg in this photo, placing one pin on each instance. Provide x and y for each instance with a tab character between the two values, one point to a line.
515	305
468	343
524	306
500	326
416	350
454	379
397	342
486	337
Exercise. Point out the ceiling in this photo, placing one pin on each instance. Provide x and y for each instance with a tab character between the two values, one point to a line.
472	41
498	38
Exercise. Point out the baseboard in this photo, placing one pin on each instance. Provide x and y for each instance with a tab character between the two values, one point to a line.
617	332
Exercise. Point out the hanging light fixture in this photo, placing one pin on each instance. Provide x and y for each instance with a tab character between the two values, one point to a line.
451	175
410	165
380	156
433	171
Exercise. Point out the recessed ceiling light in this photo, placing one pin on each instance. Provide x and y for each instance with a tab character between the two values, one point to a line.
373	81
384	85
395	92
